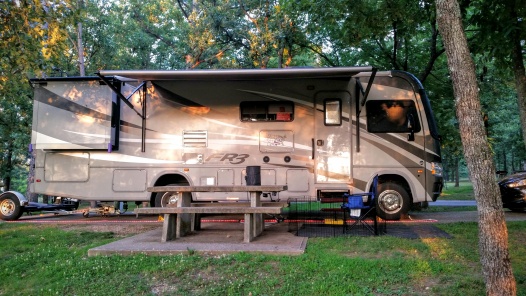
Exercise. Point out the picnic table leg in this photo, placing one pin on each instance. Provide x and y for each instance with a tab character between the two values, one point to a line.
184	221
259	223
249	228
254	223
168	227
197	222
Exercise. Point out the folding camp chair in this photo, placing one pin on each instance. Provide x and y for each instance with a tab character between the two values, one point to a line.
360	211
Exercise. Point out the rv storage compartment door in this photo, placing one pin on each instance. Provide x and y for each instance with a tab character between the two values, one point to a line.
72	115
129	180
66	167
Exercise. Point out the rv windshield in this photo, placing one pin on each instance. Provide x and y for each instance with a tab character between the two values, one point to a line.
391	116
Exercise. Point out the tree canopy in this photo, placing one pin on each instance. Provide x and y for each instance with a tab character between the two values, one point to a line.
32	40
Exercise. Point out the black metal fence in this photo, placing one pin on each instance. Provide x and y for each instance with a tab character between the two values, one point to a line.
308	218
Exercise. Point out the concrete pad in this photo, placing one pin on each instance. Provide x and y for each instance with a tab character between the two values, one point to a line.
213	238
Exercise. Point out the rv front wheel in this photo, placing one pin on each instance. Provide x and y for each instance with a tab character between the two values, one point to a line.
392	201
10	208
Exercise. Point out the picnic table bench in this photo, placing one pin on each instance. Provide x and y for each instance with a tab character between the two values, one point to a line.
180	218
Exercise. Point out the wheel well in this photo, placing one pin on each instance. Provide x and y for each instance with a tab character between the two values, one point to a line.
167	180
21	198
398	180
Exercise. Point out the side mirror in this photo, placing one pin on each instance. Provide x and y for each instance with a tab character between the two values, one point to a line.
411	127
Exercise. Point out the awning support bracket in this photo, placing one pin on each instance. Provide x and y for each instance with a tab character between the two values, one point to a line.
126	100
365	95
142	86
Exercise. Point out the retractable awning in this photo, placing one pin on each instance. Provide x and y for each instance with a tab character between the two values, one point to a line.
236	74
231	74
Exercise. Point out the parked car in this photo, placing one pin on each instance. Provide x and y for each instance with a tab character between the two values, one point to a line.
513	191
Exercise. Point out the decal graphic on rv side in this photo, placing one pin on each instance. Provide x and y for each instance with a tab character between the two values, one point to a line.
233	158
320	131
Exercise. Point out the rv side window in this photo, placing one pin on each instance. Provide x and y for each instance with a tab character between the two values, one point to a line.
333	111
391	116
267	111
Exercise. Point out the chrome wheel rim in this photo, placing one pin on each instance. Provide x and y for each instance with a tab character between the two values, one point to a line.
7	207
390	201
169	198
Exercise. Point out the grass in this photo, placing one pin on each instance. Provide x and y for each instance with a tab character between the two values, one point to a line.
463	192
46	260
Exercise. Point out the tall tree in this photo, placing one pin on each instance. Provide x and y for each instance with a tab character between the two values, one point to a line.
493	233
32	36
497	24
498	96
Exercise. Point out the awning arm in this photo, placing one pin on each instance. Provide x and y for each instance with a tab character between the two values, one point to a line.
362	103
366	94
126	100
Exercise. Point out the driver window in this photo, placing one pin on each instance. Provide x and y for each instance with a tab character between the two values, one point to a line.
391	116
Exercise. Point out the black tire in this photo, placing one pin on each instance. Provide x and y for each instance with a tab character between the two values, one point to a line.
392	201
10	208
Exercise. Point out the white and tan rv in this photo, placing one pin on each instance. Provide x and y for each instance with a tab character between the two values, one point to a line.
320	131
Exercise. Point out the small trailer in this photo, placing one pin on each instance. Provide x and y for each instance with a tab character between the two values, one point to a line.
12	206
320	131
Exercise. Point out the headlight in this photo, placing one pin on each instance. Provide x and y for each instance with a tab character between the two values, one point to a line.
436	169
516	184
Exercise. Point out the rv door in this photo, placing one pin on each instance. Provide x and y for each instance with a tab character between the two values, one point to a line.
332	140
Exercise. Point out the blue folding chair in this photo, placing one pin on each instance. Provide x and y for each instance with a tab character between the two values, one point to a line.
360	211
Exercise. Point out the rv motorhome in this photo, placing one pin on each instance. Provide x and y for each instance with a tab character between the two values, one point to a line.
322	132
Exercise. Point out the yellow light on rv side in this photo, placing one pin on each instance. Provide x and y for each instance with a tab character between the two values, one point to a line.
186	169
232	198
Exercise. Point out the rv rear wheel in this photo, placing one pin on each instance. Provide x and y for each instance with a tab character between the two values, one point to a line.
162	199
392	201
10	208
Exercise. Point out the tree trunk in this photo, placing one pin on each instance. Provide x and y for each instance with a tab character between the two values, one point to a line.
7	183
8	163
80	44
519	73
493	233
504	161
81	51
457	172
519	70
512	162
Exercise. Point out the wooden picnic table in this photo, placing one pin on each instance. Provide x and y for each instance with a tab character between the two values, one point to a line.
180	218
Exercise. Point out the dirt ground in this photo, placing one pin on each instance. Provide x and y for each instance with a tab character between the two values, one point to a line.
119	230
129	224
